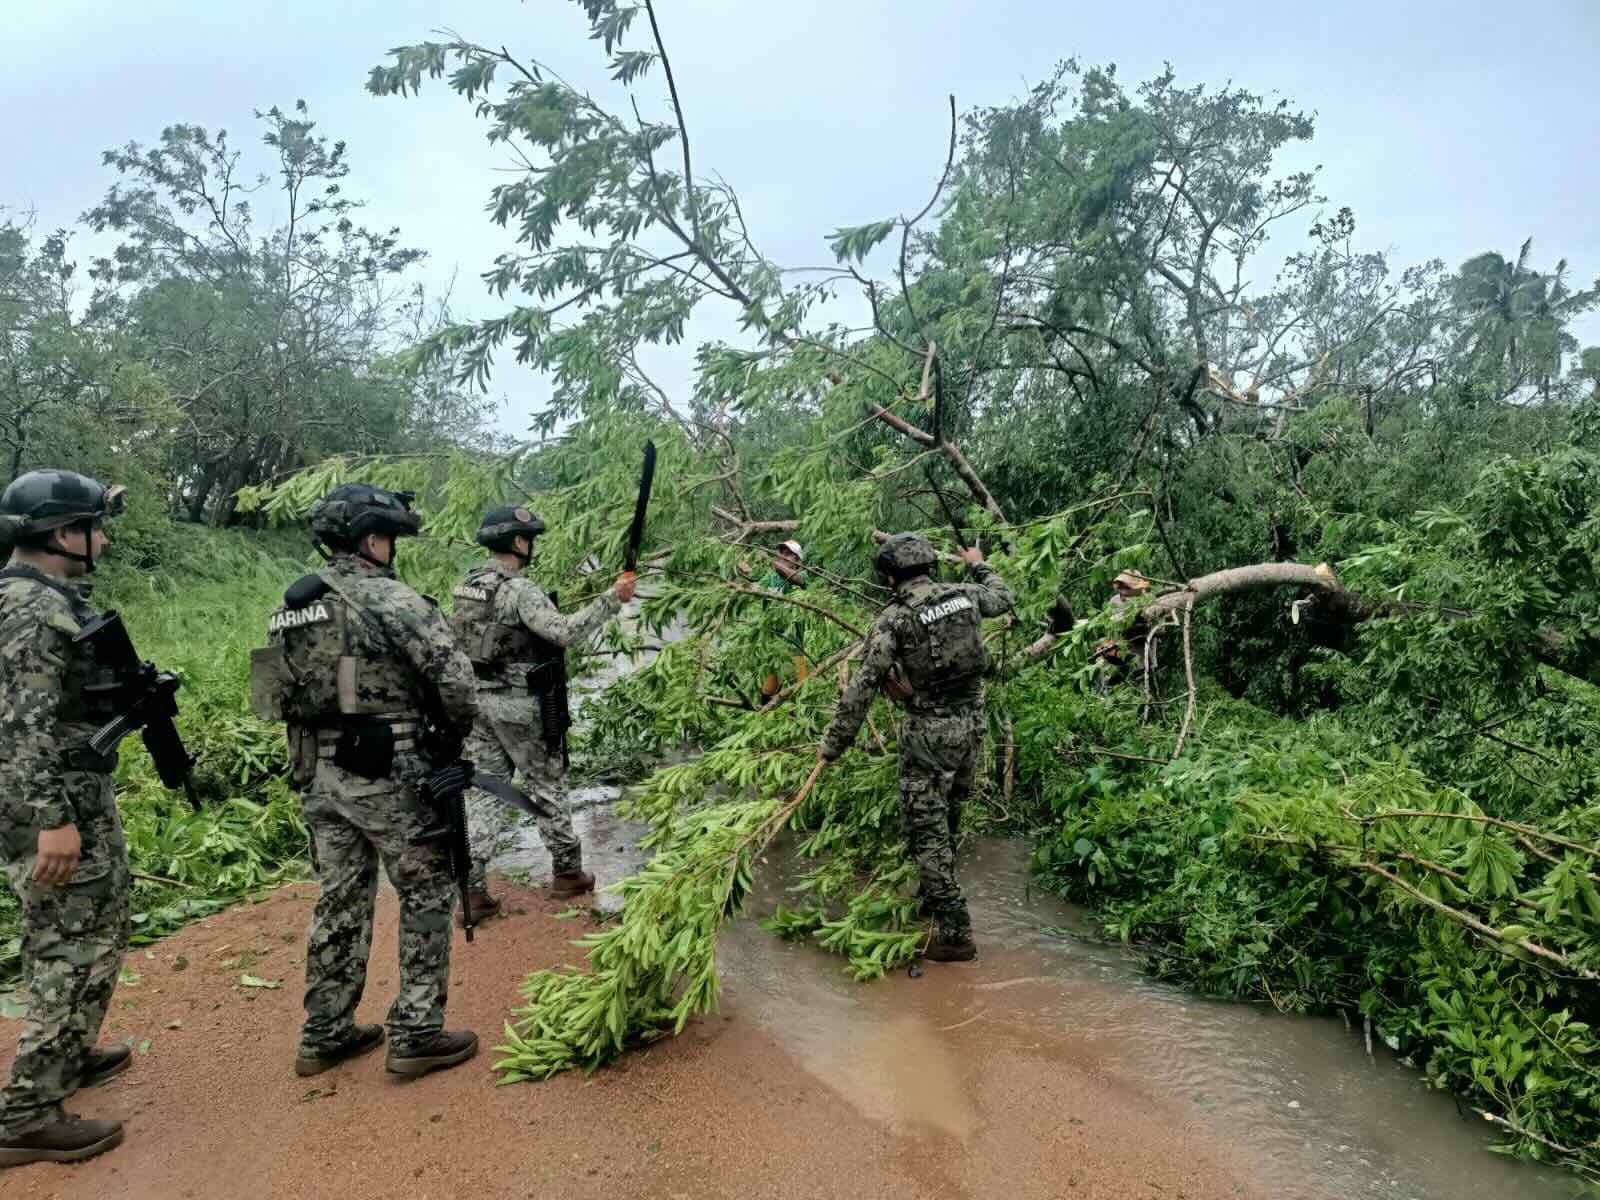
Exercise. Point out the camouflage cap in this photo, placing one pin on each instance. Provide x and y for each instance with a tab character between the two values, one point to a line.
40	501
501	524
905	552
353	510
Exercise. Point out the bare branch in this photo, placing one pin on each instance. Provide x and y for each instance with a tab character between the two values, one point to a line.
683	128
907	226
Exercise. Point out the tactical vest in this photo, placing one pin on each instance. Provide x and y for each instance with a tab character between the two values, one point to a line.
487	640
310	673
91	691
491	643
944	657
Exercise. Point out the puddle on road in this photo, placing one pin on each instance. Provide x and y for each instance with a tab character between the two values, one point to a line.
1299	1093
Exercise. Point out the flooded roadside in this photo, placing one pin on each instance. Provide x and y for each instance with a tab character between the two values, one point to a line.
1298	1096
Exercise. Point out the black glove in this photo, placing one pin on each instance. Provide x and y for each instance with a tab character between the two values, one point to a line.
453	777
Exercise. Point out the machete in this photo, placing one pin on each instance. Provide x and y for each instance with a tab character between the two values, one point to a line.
502	790
630	560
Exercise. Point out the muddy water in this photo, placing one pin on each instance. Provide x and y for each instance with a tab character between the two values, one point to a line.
1314	1114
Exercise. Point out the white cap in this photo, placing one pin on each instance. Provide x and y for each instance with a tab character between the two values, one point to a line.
794	548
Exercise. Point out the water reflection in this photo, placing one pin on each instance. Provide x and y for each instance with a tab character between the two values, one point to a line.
1300	1093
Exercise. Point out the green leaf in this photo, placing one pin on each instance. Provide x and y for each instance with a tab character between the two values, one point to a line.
855	242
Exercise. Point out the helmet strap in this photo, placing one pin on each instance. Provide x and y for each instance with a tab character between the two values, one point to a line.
509	546
87	557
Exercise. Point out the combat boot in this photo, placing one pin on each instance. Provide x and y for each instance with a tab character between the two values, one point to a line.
100	1064
438	1053
571	883
69	1140
481	905
357	1042
947	947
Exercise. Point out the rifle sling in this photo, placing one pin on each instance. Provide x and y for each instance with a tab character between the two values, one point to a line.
70	593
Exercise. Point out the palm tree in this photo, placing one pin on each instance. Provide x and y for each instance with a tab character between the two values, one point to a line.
1514	318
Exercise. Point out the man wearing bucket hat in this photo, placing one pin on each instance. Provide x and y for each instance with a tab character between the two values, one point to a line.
1127	587
61	841
516	638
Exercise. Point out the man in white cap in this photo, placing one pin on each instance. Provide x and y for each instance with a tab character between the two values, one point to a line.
786	567
788	573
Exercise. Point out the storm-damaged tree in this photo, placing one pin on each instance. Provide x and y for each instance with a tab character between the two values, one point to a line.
269	310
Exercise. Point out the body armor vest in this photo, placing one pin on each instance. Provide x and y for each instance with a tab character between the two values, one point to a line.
491	643
312	671
944	657
91	691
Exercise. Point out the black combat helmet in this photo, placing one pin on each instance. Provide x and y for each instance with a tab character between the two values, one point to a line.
501	525
353	510
40	501
904	555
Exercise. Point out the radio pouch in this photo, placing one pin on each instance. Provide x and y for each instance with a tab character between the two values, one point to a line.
365	748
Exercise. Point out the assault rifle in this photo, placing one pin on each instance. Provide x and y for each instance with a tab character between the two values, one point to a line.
146	697
445	792
548	683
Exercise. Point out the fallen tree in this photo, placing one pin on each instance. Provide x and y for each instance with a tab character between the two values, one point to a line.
1073	345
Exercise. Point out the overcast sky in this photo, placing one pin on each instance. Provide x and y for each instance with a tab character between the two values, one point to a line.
1449	127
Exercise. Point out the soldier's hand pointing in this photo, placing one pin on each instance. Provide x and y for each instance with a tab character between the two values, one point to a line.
625	586
972	554
58	855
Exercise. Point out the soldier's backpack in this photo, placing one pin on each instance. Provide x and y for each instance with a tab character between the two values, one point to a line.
945	654
307	672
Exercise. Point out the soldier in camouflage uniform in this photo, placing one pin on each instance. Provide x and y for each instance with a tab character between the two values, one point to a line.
515	637
376	695
927	645
60	837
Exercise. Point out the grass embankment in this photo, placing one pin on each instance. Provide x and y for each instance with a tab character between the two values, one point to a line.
196	603
1297	864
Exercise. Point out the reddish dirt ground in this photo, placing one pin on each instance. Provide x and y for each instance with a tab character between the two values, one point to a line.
214	1108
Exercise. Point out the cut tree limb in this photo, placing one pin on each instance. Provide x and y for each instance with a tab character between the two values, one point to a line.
1239	579
1218	583
1188	674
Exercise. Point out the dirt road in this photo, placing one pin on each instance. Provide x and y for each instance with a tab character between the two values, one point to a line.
982	1109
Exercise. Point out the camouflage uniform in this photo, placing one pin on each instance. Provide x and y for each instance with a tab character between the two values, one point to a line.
507	737
73	934
942	731
356	821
